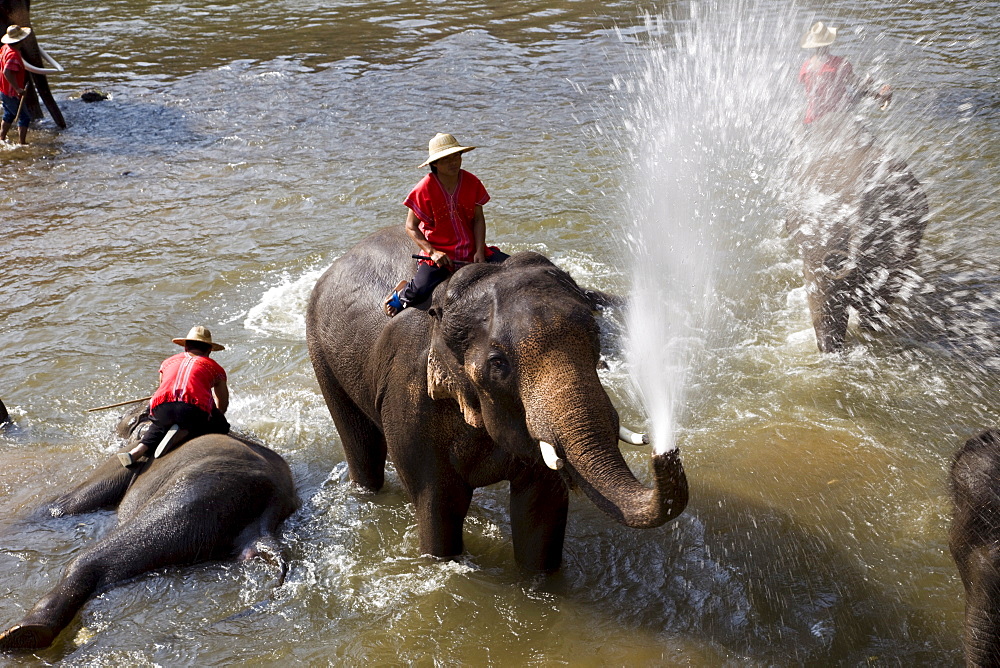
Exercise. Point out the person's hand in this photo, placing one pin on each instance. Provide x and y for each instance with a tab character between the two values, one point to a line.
440	258
480	256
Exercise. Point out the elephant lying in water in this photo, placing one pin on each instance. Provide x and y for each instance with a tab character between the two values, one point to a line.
974	540
211	498
498	372
858	221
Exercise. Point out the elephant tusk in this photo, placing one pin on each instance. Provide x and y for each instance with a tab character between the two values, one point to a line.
55	69
629	436
552	460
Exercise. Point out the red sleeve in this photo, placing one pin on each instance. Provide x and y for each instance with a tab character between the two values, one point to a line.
419	201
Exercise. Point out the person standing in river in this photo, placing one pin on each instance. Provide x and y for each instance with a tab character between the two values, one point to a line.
445	220
829	81
13	83
193	394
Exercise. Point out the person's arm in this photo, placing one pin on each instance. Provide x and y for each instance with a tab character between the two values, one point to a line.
221	392
479	234
8	74
413	229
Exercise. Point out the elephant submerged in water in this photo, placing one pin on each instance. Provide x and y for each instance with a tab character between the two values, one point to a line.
18	12
211	498
495	380
858	220
974	540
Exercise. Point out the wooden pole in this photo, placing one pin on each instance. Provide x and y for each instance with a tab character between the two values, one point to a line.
120	403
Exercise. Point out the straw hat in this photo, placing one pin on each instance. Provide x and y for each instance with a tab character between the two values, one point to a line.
199	333
819	35
443	145
15	34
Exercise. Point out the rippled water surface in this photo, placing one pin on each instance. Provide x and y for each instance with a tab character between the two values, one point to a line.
246	146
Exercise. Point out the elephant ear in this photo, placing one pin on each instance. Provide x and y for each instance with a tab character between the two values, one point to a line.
453	316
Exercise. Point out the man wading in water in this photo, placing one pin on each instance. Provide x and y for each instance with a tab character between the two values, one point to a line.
13	83
193	395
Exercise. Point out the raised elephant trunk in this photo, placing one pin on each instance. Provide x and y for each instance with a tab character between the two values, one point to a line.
584	437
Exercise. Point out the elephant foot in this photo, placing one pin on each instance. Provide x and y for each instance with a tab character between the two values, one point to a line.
26	637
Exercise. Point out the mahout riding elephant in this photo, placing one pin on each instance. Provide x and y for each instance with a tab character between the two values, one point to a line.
17	12
858	218
494	379
974	539
214	497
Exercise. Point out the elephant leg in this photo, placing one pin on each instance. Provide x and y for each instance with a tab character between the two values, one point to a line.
103	489
829	317
538	510
56	609
441	504
363	442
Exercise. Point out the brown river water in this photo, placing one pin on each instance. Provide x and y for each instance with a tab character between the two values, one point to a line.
248	145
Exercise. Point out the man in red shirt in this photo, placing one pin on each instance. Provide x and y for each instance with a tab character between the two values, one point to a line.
829	80
446	221
13	82
193	394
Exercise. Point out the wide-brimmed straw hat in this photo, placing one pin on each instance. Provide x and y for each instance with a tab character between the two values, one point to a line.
818	35
199	333
15	34
443	145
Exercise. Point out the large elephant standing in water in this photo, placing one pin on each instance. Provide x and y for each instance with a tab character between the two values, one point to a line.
497	374
18	12
858	219
974	540
214	497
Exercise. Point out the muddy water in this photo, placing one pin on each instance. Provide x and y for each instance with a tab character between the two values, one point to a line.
246	146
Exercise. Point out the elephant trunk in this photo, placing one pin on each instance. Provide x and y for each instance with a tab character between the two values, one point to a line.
33	55
585	435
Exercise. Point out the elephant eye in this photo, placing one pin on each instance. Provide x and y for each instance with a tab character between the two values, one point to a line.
498	365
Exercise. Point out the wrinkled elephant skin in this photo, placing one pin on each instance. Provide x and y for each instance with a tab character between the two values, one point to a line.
974	540
858	221
17	12
212	498
458	394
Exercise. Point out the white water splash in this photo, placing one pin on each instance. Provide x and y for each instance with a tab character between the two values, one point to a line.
710	112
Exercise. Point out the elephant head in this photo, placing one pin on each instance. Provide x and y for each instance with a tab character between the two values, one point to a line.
858	222
974	540
517	347
17	12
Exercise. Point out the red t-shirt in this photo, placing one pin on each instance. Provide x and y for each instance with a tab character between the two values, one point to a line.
446	219
188	378
10	60
826	86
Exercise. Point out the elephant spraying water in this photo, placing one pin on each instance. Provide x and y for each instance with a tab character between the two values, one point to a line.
495	380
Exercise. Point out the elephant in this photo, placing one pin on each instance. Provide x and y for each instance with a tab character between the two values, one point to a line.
493	378
974	541
4	415
213	497
858	221
18	12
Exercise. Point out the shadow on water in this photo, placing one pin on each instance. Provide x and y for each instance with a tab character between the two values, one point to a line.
749	581
124	127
